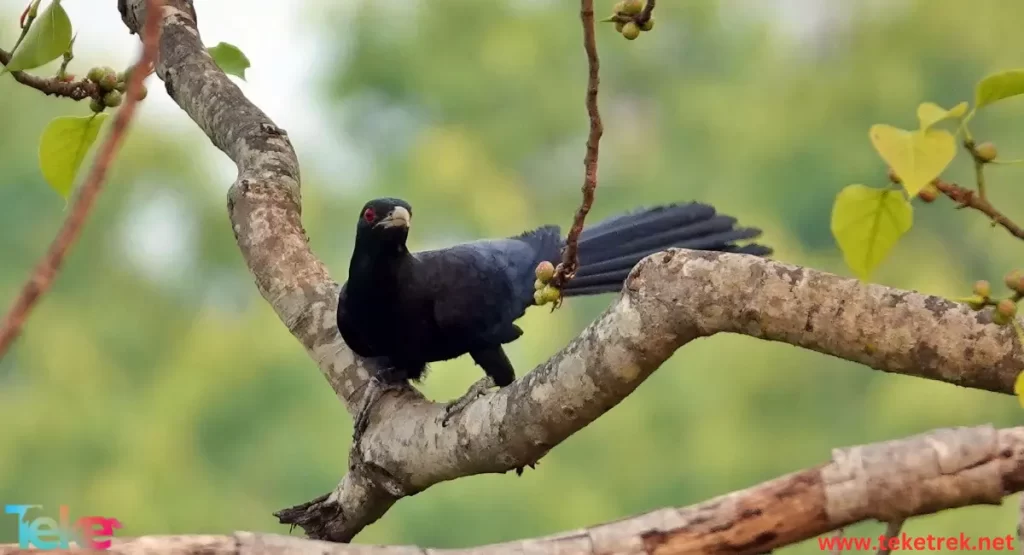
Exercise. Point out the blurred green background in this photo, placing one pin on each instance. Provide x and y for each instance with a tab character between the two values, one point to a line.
154	385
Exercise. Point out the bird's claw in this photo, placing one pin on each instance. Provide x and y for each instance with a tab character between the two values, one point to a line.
477	390
375	389
533	465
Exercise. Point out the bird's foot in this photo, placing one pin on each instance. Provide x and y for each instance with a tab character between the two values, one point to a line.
533	465
477	390
375	389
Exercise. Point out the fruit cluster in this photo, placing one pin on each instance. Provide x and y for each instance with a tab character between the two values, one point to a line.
543	292
112	86
1005	309
626	18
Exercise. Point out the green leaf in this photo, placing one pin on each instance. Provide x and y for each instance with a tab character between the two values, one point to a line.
917	157
930	113
998	86
1018	384
63	146
48	38
230	59
866	223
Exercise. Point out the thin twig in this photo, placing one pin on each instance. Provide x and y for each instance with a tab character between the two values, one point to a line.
892	530
75	90
27	18
645	15
979	176
570	259
969	199
46	270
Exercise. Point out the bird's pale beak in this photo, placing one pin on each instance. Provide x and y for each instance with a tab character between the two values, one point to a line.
399	217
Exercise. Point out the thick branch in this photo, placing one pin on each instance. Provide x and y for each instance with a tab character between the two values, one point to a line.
47	268
669	300
889	481
264	203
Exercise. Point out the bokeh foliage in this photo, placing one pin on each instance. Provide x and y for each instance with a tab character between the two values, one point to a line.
154	385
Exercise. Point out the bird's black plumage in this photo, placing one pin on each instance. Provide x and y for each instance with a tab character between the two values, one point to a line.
409	309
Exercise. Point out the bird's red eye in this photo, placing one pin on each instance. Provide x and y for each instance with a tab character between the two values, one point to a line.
368	215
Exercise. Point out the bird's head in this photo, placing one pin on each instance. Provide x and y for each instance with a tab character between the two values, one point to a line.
384	224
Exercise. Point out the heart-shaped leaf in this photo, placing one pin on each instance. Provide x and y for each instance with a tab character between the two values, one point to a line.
866	223
48	38
998	86
930	113
1018	384
917	157
63	146
230	59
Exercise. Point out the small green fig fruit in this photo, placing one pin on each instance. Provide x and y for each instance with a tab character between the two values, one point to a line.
112	99
1007	308
551	295
986	152
928	194
95	74
538	285
545	271
631	31
538	298
619	25
142	93
108	81
97	105
982	288
1015	280
619	7
632	7
649	24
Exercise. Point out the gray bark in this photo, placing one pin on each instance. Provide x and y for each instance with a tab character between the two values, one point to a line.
669	300
887	481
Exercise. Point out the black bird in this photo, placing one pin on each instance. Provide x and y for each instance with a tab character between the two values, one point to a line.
409	309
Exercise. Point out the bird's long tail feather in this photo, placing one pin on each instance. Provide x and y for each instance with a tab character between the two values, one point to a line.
610	249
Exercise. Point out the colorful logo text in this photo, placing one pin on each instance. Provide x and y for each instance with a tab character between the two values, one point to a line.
44	532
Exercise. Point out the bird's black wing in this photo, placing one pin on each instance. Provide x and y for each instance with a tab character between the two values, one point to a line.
481	288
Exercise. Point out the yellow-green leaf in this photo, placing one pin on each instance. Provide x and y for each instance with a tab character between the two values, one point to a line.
917	157
998	86
230	59
866	223
930	113
63	146
1018	388
48	38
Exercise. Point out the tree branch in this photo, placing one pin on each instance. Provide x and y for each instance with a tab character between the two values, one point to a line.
646	14
669	300
967	198
46	270
75	90
570	260
890	481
